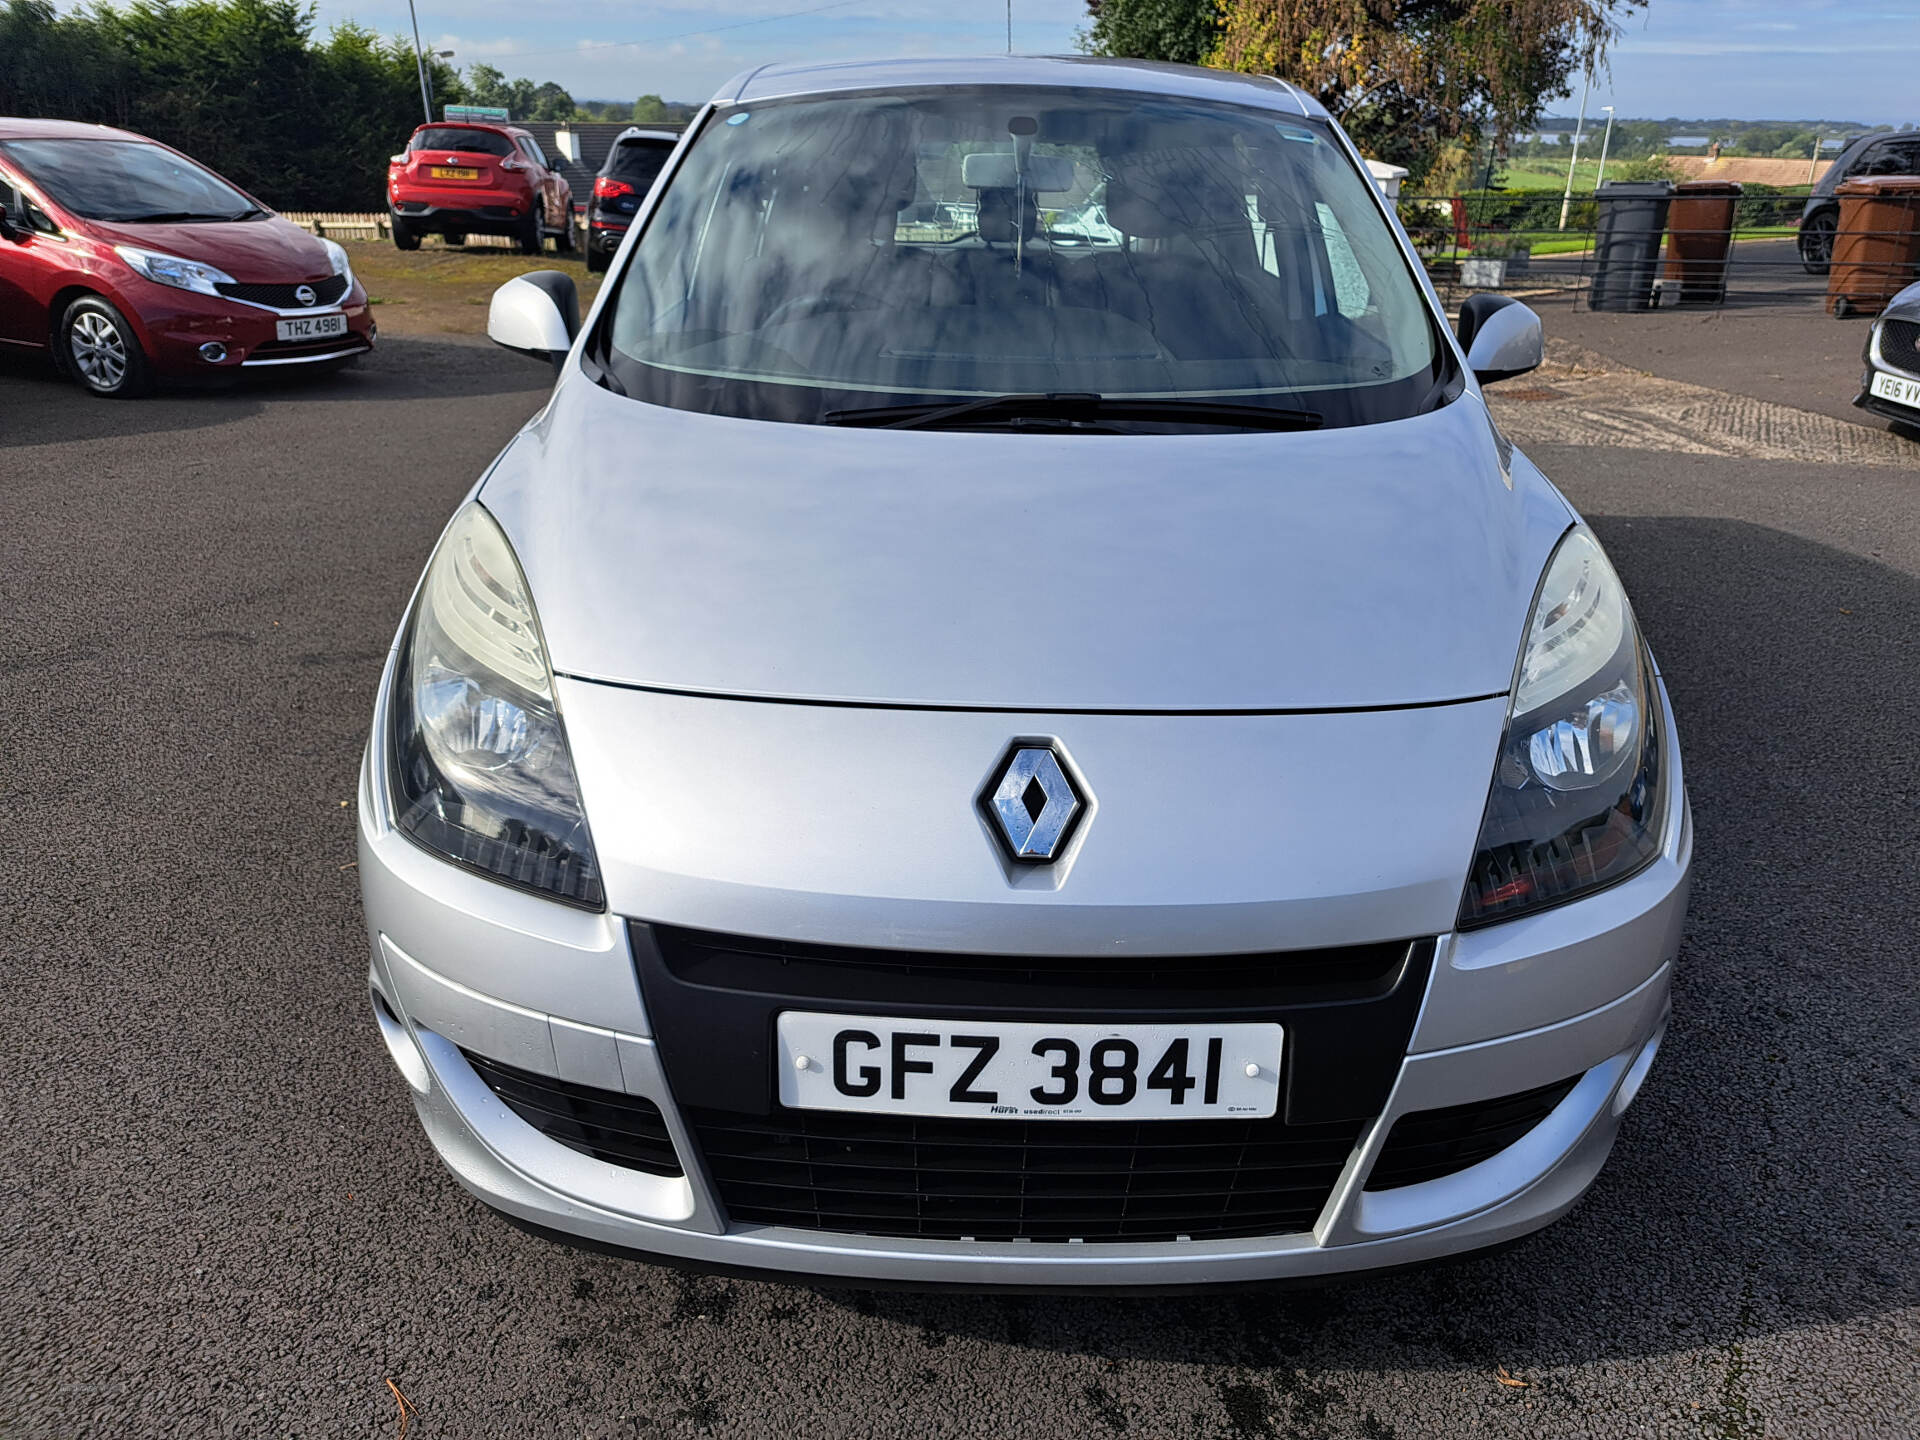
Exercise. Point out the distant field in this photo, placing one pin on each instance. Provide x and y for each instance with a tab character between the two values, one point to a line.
1545	175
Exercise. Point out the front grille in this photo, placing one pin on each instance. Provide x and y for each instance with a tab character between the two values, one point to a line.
735	962
1057	1180
281	297
1900	344
1427	1144
618	1128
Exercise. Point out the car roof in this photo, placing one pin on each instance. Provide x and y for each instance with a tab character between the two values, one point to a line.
22	129
640	132
1086	72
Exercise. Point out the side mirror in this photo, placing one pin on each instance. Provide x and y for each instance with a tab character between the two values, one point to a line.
8	231
537	314
1502	337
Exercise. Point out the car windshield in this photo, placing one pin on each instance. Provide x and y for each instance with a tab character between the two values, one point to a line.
127	181
460	139
814	257
638	161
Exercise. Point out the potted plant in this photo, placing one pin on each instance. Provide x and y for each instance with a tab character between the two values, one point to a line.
1515	250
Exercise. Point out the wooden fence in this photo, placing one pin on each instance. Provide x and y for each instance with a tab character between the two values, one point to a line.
377	226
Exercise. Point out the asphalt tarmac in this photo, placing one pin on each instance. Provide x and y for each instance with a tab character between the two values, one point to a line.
219	1217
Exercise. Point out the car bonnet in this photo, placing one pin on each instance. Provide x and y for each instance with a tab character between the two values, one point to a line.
1372	566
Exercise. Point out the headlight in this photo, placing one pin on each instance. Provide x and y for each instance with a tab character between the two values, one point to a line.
1577	797
337	256
172	270
481	770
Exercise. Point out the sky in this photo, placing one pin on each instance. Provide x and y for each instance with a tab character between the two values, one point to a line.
1735	59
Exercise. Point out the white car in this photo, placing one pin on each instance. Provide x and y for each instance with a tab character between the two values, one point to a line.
959	759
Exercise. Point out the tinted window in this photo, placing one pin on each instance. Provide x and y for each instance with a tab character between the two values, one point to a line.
459	138
638	162
819	254
534	153
126	180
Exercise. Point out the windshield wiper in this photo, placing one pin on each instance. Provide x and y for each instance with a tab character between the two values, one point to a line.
165	217
1171	410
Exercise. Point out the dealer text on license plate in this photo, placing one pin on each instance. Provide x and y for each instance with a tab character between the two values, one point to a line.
454	172
1028	1071
311	327
1896	389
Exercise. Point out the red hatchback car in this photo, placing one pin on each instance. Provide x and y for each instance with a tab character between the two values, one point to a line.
457	179
131	263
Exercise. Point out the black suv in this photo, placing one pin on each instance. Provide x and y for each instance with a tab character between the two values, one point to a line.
635	159
1881	153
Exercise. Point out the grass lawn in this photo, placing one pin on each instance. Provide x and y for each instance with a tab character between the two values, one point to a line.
1545	175
437	290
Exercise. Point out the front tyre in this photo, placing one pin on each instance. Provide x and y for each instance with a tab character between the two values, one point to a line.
98	348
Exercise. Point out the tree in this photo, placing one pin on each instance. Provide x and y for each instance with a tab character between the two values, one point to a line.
1184	31
546	101
649	107
1420	81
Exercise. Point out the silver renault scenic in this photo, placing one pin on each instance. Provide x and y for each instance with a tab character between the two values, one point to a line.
1014	721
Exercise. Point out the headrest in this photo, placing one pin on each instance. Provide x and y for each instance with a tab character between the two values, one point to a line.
854	189
995	220
1153	204
1131	213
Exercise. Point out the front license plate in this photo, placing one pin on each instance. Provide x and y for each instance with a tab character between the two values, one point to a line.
1020	1071
454	172
1896	389
311	327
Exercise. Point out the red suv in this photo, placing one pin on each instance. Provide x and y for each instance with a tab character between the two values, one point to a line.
457	180
130	263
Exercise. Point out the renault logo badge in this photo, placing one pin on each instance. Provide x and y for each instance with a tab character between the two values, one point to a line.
1034	805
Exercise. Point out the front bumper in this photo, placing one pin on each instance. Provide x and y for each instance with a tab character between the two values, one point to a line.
460	963
1876	364
175	324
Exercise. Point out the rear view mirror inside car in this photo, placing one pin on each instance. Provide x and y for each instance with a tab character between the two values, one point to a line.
998	170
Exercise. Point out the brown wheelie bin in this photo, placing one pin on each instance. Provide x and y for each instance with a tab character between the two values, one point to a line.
1876	250
1699	235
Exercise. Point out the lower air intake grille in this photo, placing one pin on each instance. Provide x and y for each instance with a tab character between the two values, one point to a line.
1430	1143
606	1124
1022	1179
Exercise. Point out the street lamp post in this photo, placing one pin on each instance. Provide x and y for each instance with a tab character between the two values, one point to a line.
1579	126
420	65
1605	141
